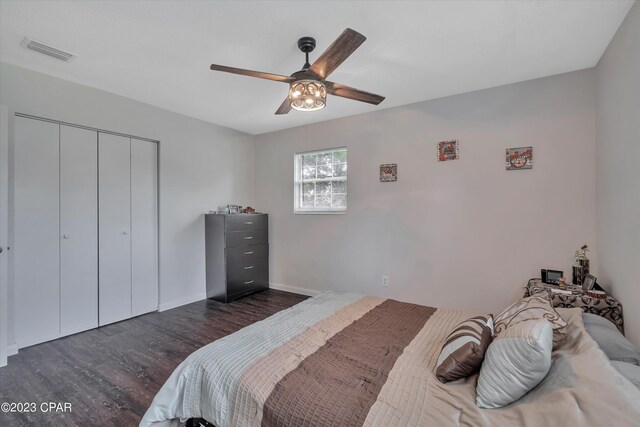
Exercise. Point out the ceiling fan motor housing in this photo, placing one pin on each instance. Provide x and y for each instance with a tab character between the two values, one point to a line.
307	44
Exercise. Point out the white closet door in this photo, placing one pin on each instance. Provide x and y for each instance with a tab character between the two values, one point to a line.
4	232
78	230
144	226
114	223
36	228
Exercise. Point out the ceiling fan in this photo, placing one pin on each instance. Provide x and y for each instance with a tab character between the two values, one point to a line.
308	88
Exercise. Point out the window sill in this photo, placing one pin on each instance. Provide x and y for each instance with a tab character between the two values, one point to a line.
343	212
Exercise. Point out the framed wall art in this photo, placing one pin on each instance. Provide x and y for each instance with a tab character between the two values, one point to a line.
448	150
519	158
389	172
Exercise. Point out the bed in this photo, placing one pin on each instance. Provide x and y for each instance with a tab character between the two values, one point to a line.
344	359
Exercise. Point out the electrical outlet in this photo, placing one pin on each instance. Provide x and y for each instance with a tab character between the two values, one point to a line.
385	281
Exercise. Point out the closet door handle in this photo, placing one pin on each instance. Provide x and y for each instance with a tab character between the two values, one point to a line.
248	253
66	236
124	233
249	282
248	237
249	267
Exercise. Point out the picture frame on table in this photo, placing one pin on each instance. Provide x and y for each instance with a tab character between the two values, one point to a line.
589	282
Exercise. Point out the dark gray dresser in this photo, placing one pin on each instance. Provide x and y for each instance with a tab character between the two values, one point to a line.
237	251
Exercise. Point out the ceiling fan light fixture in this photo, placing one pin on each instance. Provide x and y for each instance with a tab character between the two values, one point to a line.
307	95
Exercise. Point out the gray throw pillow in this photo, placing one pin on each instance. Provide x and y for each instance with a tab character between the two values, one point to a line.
610	340
628	370
515	362
594	319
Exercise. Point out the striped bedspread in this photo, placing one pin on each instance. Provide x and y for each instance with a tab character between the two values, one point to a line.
338	359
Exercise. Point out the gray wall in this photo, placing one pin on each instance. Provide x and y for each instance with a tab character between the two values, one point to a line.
201	165
618	168
463	234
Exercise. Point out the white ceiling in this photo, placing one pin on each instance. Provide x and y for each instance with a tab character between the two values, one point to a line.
160	52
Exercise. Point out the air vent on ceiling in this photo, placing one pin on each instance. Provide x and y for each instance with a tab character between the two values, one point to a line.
32	44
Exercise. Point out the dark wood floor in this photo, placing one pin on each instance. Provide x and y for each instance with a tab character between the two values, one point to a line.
111	374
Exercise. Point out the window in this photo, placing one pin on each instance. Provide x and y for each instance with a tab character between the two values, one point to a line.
321	181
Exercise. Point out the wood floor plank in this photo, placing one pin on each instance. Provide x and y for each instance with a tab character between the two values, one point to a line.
111	374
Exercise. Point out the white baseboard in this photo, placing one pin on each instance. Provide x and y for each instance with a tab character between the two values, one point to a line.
182	301
12	350
194	298
293	289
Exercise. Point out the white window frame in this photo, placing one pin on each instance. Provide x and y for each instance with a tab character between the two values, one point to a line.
297	184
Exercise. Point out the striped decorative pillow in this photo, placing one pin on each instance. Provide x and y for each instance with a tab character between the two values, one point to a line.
464	348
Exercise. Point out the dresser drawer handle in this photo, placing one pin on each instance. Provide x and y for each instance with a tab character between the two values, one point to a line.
249	267
249	222
248	253
248	237
249	282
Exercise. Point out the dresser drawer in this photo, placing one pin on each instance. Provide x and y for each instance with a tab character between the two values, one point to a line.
242	222
247	283
246	238
247	268
242	253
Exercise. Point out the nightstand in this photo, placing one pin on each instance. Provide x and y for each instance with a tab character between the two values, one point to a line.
609	308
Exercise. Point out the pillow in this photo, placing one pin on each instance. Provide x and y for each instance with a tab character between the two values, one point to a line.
628	370
611	341
594	319
464	349
516	361
534	307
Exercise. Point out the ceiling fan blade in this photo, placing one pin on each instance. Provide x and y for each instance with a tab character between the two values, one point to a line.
285	107
251	73
335	54
348	92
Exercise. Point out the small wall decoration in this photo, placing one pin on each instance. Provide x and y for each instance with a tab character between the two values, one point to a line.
448	150
519	158
389	172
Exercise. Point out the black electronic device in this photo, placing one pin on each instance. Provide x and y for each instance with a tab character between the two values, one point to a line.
551	277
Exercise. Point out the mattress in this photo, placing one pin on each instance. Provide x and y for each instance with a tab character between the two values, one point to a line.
344	359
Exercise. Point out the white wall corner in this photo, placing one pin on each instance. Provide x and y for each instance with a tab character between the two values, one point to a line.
293	289
182	301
